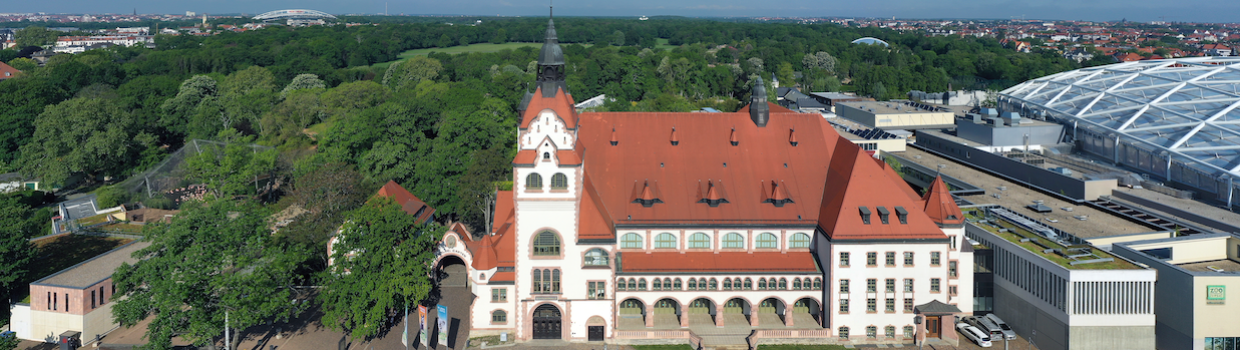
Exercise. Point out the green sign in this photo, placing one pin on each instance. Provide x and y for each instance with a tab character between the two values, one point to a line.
1216	294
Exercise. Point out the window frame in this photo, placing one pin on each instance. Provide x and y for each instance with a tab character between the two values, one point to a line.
627	243
503	315
661	241
799	241
699	240
766	240
909	259
560	177
936	259
845	259
871	259
733	240
592	261
540	249
889	259
533	182
935	285
844	286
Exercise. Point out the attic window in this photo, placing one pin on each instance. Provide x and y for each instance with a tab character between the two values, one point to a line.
675	140
883	213
714	195
733	138
546	155
614	141
792	137
902	214
647	196
865	215
778	196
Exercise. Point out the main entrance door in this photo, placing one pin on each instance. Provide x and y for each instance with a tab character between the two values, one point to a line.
547	322
932	326
596	333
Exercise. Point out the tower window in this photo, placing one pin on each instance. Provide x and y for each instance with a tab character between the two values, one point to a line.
546	155
559	181
533	182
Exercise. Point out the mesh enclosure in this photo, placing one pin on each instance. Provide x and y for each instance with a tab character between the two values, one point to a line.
170	179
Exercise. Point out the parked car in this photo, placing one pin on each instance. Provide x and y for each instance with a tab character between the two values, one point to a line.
1008	333
984	325
976	335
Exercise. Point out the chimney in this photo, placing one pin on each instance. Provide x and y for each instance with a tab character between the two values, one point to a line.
759	112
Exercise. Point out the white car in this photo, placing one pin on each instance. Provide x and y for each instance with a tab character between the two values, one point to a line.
974	334
1008	333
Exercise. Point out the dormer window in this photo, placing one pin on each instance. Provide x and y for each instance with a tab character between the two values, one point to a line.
902	215
865	215
883	213
546	155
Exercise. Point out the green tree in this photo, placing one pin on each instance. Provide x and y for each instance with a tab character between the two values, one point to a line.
363	290
217	259
179	109
35	36
879	91
16	253
350	98
303	82
477	187
81	136
501	36
9	341
232	169
785	75
23	64
326	192
410	72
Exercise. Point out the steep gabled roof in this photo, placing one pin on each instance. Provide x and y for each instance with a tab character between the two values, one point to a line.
860	187
407	201
595	223
7	71
498	249
940	206
562	104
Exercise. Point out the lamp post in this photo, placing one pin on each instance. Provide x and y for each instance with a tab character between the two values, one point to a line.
917	321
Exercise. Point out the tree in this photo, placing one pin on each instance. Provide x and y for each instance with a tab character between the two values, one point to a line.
410	72
303	82
81	136
819	60
16	252
178	110
326	193
9	341
364	288
35	36
617	38
501	36
216	260
477	187
785	74
23	64
879	92
349	98
232	169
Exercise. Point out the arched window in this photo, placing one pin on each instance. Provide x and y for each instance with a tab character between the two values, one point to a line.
499	316
817	284
692	284
799	240
667	284
555	281
714	284
538	281
727	284
559	181
734	240
631	241
546	155
767	240
783	284
656	284
699	240
633	284
762	284
533	181
665	240
843	333
796	284
641	284
748	284
596	257
547	244
620	284
676	284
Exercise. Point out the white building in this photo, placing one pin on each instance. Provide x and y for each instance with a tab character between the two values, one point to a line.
654	227
1195	274
1060	293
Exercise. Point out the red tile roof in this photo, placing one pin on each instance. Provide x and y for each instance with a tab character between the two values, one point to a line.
891	173
506	276
660	262
7	71
940	206
408	202
499	248
859	182
595	222
562	104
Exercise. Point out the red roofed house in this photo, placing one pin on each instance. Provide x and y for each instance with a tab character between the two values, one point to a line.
408	203
7	71
649	226
1216	50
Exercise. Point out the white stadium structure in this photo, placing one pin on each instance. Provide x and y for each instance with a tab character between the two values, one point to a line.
297	16
1174	120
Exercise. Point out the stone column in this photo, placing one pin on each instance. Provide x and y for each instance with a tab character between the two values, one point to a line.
684	315
753	317
718	317
787	317
649	316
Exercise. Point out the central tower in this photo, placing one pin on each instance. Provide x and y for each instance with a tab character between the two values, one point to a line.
551	64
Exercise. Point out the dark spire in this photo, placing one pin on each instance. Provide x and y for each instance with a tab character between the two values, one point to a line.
551	63
759	112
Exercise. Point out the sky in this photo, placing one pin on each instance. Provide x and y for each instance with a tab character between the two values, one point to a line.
1092	10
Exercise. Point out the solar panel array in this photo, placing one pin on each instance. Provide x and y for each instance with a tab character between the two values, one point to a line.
873	134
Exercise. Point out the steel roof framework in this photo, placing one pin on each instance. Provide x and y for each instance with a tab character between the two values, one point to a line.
294	14
1188	107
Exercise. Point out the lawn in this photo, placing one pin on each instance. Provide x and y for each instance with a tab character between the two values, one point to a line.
97	219
662	44
481	47
129	229
800	347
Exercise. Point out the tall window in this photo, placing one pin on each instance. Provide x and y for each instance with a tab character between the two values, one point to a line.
714	284
799	240
559	181
533	182
499	295
889	331
767	240
891	285
641	284
748	284
934	258
843	305
727	284
656	284
796	284
934	285
871	305
783	284
547	244
908	284
733	240
499	316
633	284
546	281
843	286
891	258
908	331
871	332
699	241
871	259
596	257
597	290
692	284
951	269
631	241
817	283
620	284
762	284
843	333
676	284
891	304
844	259
908	258
908	304
665	240
871	285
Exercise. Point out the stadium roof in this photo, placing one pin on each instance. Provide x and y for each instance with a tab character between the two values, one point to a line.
1185	107
294	14
871	41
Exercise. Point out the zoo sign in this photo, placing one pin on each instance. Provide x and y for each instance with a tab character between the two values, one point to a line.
1216	295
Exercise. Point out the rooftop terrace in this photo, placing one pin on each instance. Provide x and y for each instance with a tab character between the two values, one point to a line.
1069	255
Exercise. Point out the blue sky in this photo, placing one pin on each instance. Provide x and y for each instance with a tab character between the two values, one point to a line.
1098	10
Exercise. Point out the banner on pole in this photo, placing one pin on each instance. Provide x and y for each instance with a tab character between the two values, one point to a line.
422	327
443	324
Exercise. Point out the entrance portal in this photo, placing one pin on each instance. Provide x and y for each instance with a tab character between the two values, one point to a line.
932	326
547	322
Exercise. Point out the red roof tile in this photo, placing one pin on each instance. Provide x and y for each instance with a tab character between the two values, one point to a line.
497	249
408	202
718	262
595	222
562	104
857	182
940	206
7	71
506	276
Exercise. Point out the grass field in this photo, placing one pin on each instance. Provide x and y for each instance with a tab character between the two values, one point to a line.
662	45
483	47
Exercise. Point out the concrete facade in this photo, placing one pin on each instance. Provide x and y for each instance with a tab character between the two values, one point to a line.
1039	133
894	115
1035	176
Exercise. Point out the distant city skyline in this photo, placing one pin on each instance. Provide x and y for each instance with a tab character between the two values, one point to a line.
1098	10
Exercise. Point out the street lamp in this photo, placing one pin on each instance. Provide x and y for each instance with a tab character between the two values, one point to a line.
917	321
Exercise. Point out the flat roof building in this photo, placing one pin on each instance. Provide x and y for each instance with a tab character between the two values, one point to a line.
897	114
1196	274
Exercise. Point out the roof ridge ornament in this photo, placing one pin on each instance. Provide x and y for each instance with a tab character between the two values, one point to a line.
675	140
733	137
792	137
614	141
